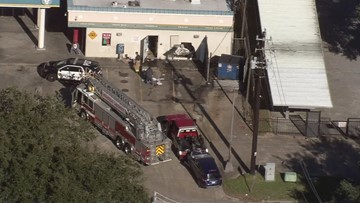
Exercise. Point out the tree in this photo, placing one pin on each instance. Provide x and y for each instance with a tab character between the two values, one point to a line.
348	190
340	26
44	156
328	169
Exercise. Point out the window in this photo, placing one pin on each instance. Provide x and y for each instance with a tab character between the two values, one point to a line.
85	99
91	103
66	68
79	95
106	39
74	69
60	63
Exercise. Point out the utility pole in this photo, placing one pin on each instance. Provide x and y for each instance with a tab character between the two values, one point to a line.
258	77
259	69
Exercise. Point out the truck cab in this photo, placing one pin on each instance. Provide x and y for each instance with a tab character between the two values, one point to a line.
184	133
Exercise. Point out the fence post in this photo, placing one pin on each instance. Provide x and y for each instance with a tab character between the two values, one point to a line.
347	127
277	125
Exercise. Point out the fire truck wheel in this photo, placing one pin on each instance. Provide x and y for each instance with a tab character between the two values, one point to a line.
51	77
119	144
127	149
83	115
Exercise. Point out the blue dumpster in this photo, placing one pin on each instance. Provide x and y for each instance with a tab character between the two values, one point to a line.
230	67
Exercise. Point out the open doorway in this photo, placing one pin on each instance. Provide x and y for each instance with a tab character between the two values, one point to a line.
149	47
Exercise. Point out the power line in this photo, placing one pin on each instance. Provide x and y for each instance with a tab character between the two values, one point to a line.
308	178
230	28
275	70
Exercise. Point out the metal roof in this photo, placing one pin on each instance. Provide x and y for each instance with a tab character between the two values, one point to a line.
30	3
293	49
205	7
182	120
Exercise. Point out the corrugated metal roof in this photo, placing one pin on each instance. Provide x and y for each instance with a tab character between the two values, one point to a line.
297	73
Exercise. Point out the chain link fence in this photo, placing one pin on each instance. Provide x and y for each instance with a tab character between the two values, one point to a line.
297	125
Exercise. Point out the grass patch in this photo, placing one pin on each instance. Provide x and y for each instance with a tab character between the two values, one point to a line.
265	124
255	188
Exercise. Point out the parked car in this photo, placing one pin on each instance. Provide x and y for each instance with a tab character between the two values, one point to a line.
204	169
72	69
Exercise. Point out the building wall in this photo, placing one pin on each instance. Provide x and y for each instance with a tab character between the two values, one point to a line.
130	28
218	42
150	18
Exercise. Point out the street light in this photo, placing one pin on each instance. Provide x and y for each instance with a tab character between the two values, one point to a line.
229	167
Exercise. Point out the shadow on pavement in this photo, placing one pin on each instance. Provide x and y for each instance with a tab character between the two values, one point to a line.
65	94
26	29
40	71
213	124
331	158
31	16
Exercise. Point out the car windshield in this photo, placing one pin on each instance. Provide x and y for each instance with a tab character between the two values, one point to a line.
200	154
60	62
212	176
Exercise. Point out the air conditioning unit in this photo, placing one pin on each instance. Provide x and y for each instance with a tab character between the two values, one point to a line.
134	3
195	1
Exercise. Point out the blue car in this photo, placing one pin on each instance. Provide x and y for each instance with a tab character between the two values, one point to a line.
204	169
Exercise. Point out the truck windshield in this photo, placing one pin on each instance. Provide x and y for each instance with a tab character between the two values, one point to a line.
188	133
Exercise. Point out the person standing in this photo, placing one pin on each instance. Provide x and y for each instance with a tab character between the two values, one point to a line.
137	63
149	76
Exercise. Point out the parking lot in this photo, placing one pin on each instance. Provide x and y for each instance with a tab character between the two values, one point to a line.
187	92
156	99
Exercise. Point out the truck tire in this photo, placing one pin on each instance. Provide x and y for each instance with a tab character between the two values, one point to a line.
51	77
127	149
83	115
119	143
104	131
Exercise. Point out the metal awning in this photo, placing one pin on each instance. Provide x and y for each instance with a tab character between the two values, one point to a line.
293	49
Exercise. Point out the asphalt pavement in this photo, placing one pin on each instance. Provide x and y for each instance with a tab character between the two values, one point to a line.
218	119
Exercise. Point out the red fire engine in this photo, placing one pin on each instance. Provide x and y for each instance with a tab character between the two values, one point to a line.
184	133
132	128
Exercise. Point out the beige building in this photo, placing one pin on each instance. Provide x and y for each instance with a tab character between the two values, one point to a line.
151	27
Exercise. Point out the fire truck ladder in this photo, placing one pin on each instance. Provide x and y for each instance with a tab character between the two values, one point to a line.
124	105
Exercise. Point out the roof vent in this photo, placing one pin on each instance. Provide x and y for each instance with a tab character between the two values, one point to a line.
118	4
134	3
195	1
114	3
125	3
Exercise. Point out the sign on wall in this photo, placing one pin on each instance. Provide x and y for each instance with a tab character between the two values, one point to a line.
106	39
120	48
92	35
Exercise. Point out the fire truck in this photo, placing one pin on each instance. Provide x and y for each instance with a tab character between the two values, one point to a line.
184	133
131	128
